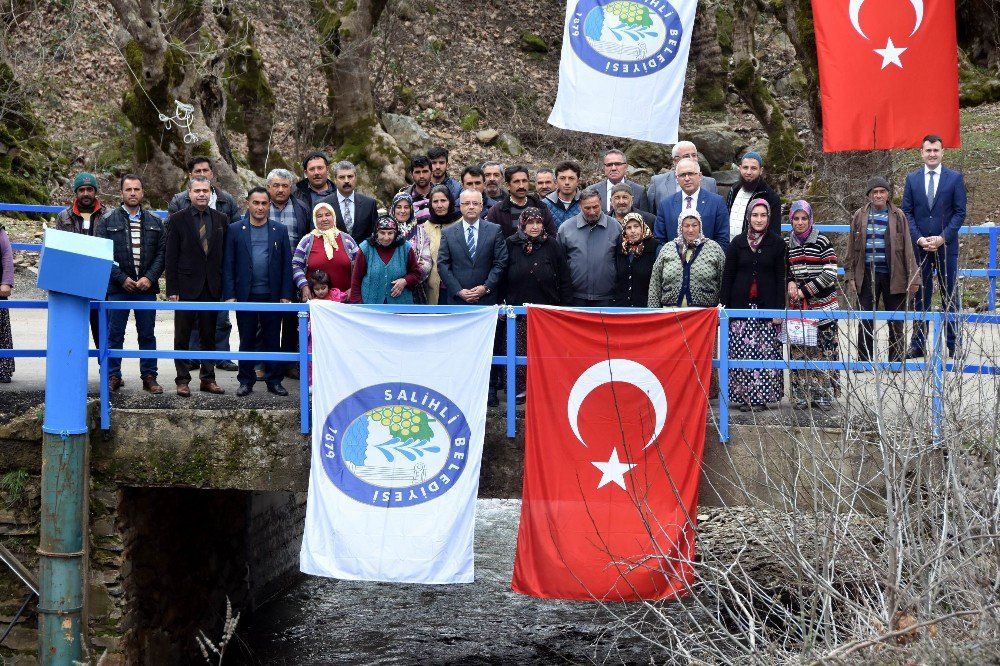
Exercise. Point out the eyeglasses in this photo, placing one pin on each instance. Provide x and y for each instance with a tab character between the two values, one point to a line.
615	164
688	174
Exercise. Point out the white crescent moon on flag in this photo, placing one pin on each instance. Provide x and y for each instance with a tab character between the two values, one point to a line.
855	9
918	7
618	370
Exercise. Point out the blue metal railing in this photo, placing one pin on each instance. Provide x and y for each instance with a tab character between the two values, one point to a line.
935	361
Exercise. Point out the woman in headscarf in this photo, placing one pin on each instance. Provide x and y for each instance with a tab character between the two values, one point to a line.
634	259
386	269
537	272
326	248
414	233
688	270
442	216
812	287
754	277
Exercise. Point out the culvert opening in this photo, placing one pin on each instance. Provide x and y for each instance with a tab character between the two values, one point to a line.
187	550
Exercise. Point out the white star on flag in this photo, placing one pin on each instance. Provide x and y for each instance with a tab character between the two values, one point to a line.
613	470
890	55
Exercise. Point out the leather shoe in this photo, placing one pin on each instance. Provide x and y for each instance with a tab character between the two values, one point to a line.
229	366
277	389
183	390
149	384
244	390
114	383
914	353
212	387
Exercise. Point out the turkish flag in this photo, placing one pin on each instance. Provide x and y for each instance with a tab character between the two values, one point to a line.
888	72
615	429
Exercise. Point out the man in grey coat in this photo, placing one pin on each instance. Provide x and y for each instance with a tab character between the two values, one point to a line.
590	240
472	257
663	185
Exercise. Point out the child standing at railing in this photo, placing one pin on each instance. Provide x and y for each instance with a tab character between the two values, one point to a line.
319	284
6	284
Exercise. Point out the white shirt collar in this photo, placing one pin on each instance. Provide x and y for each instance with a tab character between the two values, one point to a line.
694	196
467	224
936	170
341	197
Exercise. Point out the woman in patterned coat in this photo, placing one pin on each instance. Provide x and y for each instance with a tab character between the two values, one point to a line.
688	271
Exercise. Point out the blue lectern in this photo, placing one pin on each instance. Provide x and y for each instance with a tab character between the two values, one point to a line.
74	269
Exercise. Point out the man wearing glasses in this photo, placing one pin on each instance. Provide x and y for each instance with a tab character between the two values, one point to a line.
692	196
615	168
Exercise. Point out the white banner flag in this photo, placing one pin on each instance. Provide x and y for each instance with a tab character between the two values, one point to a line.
622	67
399	415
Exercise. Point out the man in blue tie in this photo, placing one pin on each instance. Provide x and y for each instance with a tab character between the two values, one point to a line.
692	196
472	257
934	204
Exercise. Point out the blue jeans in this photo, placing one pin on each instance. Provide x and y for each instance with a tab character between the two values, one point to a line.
145	322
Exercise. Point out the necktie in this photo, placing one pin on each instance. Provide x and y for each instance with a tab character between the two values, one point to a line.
930	190
471	242
203	232
348	218
688	202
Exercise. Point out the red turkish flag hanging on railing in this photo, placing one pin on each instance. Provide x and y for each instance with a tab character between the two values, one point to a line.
614	434
888	72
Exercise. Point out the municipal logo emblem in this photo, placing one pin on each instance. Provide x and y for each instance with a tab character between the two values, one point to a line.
626	38
395	445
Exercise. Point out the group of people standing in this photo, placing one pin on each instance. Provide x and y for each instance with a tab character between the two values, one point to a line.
487	238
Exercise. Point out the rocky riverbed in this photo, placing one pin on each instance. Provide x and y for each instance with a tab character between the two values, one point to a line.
322	621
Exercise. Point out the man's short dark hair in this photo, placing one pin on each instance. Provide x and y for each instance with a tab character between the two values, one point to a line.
437	152
259	189
196	160
315	155
471	171
419	161
568	165
509	172
548	171
128	176
932	138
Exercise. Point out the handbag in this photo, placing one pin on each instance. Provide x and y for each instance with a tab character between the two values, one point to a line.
801	331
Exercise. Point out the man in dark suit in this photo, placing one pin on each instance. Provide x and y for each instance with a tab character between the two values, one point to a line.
691	195
663	185
615	168
934	204
472	257
195	243
257	268
356	213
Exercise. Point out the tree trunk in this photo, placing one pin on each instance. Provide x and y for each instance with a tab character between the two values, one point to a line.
164	73
711	68
979	32
345	30
785	152
798	24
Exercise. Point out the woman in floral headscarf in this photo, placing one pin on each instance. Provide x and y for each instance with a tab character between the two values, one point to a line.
386	269
413	232
812	285
333	253
688	270
537	273
634	259
754	277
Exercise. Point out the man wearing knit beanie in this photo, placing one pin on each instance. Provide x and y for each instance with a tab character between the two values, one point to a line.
751	186
82	217
880	266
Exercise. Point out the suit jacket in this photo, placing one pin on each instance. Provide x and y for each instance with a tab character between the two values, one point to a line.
711	207
365	213
662	185
458	271
237	262
638	194
189	270
945	217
